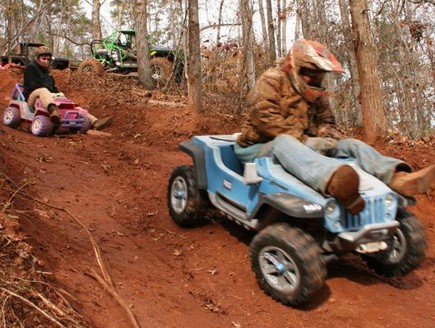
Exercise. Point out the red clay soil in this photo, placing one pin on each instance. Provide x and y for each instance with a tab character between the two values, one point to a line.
168	276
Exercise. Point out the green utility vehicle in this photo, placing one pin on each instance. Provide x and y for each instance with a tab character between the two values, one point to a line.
116	53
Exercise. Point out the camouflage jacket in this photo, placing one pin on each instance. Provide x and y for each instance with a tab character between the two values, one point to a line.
274	107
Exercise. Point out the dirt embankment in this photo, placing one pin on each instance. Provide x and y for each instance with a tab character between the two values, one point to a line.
168	277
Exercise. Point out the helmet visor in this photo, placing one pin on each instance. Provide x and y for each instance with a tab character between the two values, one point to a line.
312	77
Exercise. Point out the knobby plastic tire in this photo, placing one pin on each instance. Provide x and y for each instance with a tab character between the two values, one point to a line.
41	126
195	207
414	249
12	117
304	252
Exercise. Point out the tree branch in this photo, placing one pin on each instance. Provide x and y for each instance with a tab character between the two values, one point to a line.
38	13
71	40
45	314
218	25
432	2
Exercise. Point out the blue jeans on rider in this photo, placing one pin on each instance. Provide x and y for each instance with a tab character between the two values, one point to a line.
316	169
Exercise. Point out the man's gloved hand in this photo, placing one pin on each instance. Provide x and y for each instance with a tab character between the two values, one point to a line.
325	146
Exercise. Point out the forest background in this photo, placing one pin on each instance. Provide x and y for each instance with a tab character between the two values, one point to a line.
386	47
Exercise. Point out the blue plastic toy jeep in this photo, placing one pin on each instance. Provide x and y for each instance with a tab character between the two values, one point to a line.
299	229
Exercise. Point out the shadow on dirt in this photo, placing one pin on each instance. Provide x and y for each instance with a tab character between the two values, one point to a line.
355	270
244	236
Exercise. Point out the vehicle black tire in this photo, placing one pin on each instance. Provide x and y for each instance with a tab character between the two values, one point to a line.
91	66
288	264
41	126
406	248
12	117
161	70
186	203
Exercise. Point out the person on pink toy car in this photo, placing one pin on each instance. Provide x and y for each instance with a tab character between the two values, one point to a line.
38	82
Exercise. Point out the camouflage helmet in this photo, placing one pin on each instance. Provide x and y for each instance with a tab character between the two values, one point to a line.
42	50
311	55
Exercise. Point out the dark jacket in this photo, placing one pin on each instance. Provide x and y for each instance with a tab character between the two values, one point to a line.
274	107
36	77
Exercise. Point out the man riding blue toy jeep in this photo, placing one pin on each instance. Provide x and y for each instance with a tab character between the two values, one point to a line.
310	194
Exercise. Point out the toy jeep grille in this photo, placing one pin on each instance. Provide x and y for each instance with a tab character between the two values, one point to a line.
374	212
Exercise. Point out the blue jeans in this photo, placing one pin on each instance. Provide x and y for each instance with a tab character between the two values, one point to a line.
315	169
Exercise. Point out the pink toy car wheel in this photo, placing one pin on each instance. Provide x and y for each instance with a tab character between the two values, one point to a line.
41	126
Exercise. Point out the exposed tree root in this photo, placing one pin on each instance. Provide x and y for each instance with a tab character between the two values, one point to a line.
104	279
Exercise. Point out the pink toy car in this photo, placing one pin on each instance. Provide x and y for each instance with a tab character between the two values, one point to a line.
73	117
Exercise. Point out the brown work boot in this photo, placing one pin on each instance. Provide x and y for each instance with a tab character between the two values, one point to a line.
102	123
409	184
54	114
344	186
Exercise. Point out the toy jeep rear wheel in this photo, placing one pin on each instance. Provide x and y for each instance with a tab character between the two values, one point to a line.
186	204
91	66
406	248
161	70
287	263
12	117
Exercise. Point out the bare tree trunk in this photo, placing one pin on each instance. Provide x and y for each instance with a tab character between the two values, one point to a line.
143	52
96	23
119	13
263	26
218	35
284	28
304	15
278	28
9	27
270	32
194	97
367	58
349	44
321	22
299	22
246	14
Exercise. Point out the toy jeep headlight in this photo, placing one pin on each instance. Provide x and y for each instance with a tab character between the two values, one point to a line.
389	200
332	214
330	207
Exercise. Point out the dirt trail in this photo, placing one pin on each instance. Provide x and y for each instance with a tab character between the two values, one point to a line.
173	277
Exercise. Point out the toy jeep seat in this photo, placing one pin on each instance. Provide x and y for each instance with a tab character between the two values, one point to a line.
18	96
230	159
17	92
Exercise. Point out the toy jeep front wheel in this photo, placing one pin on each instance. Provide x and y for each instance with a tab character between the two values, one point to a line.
185	202
406	248
287	263
41	126
12	117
